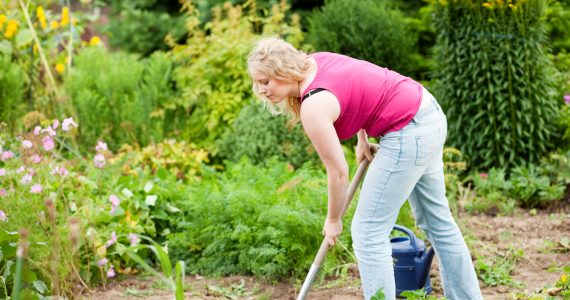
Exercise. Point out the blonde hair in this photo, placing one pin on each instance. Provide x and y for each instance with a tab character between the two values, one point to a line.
278	59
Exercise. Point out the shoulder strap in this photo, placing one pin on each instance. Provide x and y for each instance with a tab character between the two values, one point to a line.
312	92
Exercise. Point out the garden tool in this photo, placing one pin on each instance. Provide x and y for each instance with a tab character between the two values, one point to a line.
320	257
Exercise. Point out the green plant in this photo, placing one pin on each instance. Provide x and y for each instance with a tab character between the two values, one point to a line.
141	26
264	221
259	136
211	72
178	157
120	98
497	271
419	295
532	188
495	80
379	295
174	279
375	31
12	88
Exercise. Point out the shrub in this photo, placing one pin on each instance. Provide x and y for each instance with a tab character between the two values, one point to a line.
495	81
119	97
259	136
211	70
371	30
251	220
12	88
141	26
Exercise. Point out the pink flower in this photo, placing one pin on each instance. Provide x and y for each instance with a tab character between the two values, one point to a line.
55	124
483	175
112	241
567	99
101	146
114	200
2	172
48	143
111	272
36	159
21	169
27	144
102	262
26	179
63	171
49	131
36	189
68	124
37	130
6	155
134	239
3	217
99	161
3	192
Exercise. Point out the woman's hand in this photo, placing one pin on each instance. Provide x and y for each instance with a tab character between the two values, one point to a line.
332	230
363	150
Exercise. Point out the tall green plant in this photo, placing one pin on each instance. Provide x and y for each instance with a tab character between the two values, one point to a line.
495	80
211	68
119	98
12	87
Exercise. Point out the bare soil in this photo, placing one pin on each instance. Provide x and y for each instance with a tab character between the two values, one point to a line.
487	235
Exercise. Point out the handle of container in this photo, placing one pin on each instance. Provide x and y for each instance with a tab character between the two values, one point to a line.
409	233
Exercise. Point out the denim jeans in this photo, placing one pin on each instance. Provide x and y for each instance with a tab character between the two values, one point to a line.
409	166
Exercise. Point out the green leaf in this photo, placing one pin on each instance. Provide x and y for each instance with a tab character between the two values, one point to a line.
150	200
180	274
24	38
6	47
40	286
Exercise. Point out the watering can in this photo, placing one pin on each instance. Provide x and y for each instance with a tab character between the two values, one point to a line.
411	262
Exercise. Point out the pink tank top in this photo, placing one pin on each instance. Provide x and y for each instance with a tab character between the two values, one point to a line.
371	97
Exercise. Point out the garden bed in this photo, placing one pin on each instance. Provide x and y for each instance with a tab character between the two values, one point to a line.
491	236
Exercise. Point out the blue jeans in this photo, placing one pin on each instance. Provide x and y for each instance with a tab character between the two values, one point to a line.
409	166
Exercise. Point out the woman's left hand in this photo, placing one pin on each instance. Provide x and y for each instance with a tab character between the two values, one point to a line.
332	230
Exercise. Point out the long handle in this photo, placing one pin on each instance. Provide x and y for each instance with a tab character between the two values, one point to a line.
320	257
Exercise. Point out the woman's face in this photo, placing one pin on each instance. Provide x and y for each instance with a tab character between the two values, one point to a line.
274	90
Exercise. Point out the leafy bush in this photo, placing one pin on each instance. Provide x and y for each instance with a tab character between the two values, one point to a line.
259	136
530	186
12	88
141	26
252	220
211	70
495	81
374	31
120	98
183	160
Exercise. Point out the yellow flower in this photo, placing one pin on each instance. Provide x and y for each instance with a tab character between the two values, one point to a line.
487	5
2	20
73	21
35	48
11	29
563	278
64	16
60	68
54	25
40	13
95	40
513	6
443	2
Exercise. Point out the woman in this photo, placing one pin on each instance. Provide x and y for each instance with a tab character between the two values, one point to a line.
337	97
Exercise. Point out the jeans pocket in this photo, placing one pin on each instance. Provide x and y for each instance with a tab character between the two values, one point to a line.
426	146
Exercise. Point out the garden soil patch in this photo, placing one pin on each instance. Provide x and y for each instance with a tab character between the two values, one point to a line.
491	235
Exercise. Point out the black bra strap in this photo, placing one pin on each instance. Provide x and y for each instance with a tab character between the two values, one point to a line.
312	92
